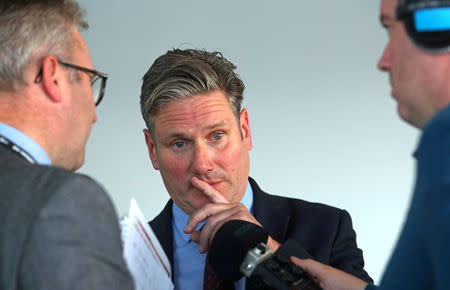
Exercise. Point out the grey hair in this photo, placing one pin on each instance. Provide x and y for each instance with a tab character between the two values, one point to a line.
31	30
179	74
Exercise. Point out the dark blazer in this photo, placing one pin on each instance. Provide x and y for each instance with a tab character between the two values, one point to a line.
322	232
58	230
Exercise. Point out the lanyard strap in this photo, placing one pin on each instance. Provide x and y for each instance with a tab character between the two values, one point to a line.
8	144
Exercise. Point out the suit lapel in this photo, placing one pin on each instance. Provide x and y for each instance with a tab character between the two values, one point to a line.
273	213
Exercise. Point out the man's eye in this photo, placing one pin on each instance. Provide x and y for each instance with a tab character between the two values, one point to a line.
179	144
217	136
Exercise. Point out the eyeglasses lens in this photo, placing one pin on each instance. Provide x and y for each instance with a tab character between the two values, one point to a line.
96	85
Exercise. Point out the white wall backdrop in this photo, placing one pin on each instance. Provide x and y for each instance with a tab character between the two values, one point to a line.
323	123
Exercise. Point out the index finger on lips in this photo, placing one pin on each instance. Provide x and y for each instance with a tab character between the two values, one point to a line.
213	195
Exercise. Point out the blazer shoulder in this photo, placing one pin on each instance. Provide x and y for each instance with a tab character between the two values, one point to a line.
60	179
263	199
318	207
80	190
40	175
37	185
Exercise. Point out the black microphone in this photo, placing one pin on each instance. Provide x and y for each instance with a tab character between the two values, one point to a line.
230	246
239	248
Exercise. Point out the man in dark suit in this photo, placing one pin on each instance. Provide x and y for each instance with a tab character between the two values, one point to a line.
199	139
59	230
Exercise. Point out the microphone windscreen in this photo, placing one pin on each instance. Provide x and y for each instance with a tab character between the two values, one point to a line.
230	246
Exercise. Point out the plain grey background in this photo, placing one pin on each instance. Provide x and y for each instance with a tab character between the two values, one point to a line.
323	123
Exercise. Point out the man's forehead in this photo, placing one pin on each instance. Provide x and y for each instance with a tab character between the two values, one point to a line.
388	6
387	10
80	49
194	114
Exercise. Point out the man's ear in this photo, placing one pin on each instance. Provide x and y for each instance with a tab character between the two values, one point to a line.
52	78
245	129
151	146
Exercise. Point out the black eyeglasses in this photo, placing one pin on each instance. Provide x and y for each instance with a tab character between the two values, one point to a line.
98	87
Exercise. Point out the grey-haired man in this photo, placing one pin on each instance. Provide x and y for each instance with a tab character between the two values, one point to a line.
59	229
199	138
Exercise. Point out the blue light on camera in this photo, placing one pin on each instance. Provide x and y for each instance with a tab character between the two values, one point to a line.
435	19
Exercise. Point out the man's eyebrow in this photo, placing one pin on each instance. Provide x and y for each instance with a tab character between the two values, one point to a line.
176	136
181	135
221	123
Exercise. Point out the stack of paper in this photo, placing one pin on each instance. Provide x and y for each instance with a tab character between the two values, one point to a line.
146	260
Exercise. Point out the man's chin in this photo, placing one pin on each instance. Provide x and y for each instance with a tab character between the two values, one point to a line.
402	113
78	164
197	203
71	164
409	118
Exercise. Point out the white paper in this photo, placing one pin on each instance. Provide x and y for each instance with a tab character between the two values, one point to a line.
145	258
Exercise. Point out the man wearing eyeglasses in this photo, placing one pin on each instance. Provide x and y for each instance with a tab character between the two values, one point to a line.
58	229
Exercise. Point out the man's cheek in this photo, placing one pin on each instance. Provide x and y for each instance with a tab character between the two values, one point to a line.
178	172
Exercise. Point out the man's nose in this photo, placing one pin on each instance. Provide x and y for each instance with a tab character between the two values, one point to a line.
384	64
95	117
202	160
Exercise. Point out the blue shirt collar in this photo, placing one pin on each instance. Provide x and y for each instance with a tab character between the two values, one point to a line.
180	218
25	143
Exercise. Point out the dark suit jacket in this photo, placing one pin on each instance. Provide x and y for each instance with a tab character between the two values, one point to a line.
322	232
58	230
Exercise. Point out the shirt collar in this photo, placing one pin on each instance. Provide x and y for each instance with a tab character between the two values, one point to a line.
25	143
180	218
